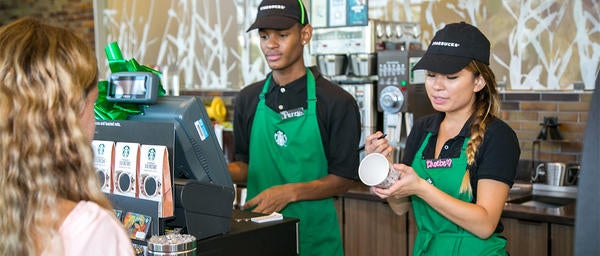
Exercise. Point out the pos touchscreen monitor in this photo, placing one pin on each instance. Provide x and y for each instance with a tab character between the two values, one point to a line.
198	155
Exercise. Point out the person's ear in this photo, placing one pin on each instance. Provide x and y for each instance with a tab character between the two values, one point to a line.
306	34
479	83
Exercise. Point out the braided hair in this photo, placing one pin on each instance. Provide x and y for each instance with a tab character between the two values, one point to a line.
486	106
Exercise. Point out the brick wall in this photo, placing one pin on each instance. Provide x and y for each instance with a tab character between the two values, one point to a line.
525	111
75	15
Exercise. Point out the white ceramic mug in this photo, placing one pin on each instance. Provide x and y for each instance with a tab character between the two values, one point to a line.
376	171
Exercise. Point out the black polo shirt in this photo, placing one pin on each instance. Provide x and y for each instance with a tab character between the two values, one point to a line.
337	115
497	156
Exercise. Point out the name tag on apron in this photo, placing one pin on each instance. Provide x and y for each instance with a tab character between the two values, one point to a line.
438	163
297	112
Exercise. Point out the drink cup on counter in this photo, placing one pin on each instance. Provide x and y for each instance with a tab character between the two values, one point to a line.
555	173
376	171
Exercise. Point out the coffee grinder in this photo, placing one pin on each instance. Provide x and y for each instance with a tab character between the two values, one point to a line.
402	95
349	57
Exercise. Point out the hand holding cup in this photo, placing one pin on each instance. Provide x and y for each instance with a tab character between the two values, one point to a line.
375	170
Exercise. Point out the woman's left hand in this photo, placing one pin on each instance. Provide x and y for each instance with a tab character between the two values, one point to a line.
408	184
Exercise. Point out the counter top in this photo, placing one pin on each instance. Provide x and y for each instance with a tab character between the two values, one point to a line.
557	215
250	238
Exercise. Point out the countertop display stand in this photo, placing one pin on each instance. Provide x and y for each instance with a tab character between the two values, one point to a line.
242	237
141	206
138	132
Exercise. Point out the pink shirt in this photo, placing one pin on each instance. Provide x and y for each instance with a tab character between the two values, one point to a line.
90	230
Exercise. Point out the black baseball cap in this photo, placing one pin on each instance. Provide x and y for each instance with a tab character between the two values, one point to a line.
279	14
453	47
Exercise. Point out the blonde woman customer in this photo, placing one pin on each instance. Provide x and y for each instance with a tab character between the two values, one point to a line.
50	198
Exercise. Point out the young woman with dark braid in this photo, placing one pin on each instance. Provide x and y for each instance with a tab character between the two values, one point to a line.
460	163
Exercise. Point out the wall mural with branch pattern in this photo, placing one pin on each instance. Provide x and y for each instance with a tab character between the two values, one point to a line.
536	44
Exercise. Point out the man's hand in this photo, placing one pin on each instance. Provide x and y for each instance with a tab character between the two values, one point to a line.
273	199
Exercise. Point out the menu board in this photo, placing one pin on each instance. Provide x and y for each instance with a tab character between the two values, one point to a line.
339	13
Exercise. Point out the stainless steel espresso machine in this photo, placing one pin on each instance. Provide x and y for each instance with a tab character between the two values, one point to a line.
402	96
349	57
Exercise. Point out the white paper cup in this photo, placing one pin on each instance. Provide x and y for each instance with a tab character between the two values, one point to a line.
375	171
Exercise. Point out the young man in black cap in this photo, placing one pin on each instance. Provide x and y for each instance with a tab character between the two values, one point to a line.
460	163
296	133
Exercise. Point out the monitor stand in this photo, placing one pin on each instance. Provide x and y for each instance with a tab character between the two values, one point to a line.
208	208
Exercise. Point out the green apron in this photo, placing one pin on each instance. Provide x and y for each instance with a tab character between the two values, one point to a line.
288	149
436	234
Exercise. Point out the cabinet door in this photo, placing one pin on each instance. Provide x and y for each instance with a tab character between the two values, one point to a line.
339	207
525	237
412	230
372	228
561	239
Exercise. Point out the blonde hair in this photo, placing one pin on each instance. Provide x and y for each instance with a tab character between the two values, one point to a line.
46	73
486	106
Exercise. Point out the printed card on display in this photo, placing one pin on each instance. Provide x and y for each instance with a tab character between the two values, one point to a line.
337	13
319	14
118	214
154	181
357	13
126	169
137	225
103	162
